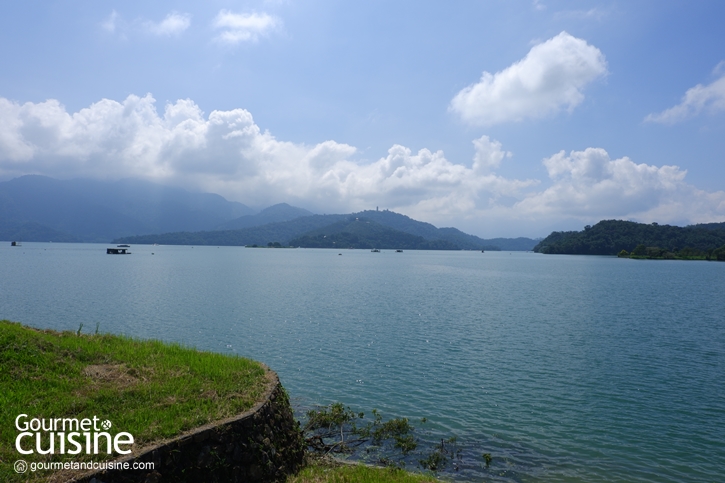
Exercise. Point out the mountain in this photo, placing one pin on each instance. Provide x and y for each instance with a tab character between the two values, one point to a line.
356	232
97	211
609	237
257	235
307	230
454	236
273	214
29	231
38	208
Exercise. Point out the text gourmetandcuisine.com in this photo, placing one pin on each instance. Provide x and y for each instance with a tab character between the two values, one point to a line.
69	436
89	465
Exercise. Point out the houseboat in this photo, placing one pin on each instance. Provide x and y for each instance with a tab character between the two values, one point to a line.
118	251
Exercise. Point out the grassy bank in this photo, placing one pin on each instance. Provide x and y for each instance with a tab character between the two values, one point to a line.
357	474
149	389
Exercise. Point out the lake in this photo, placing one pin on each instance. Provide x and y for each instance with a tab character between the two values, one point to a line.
563	368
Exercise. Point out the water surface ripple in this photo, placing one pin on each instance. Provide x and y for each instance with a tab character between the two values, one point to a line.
564	368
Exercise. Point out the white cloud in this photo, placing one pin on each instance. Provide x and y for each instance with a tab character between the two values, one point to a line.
550	78
243	27
174	24
719	68
226	152
588	185
488	155
697	99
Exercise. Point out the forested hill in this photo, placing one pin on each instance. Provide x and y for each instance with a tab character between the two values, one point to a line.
609	237
454	236
357	232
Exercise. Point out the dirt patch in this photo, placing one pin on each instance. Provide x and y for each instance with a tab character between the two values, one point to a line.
116	374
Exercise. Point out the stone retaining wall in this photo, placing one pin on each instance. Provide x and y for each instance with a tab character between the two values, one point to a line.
263	444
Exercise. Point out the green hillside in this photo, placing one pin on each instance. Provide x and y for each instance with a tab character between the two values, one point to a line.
462	240
610	237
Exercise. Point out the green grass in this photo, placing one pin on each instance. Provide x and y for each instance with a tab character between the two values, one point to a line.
150	389
357	474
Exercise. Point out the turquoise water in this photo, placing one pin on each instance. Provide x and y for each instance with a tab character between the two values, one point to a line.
564	368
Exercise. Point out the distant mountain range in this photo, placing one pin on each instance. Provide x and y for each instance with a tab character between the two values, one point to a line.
38	208
366	229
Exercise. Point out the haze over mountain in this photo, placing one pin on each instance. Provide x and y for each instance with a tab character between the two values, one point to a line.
273	214
41	208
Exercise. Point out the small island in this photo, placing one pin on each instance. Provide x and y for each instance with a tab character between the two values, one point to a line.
269	245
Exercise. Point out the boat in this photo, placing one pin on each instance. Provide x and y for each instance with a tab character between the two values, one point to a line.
483	251
375	250
398	251
118	251
123	246
16	244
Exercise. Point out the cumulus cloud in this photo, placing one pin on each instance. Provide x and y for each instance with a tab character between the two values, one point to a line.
550	78
590	185
174	24
226	152
243	27
488	155
696	100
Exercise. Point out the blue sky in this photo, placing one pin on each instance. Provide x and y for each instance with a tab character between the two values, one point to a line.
502	118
